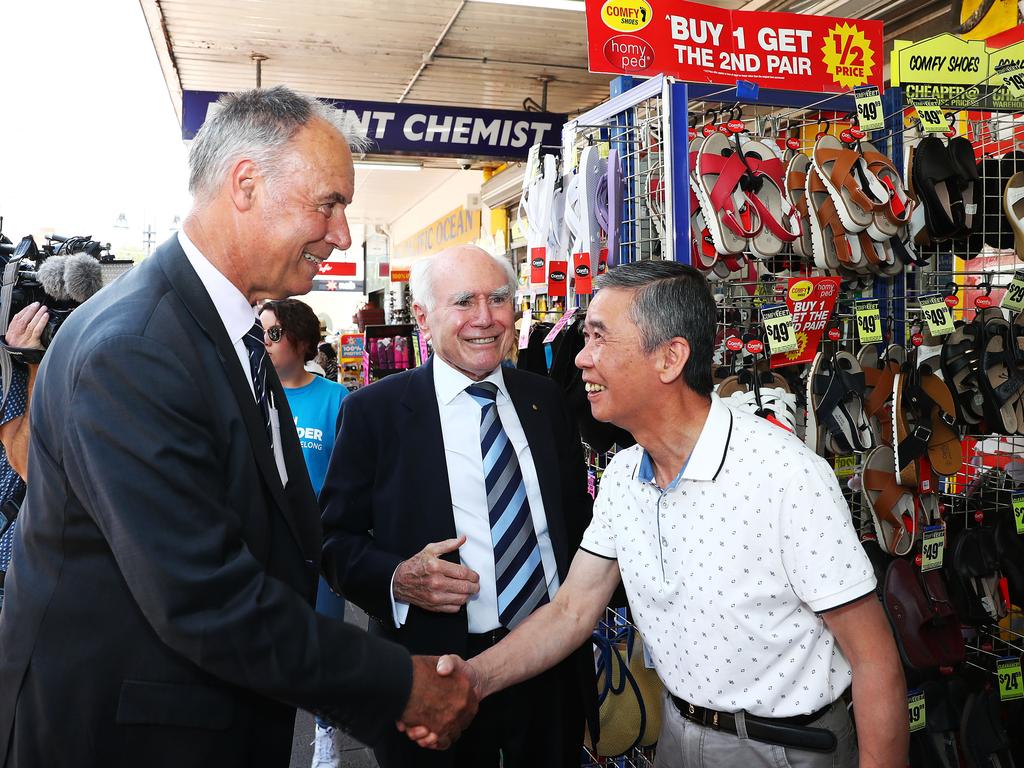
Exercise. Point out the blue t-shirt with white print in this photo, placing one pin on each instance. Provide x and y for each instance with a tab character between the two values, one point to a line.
315	410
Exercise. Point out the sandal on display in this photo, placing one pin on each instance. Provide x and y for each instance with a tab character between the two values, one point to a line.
961	152
796	189
982	734
897	210
879	378
835	395
891	504
938	190
856	192
960	360
717	182
830	245
972	567
780	222
1001	384
924	423
1013	206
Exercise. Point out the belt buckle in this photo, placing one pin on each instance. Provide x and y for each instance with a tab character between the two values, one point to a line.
714	721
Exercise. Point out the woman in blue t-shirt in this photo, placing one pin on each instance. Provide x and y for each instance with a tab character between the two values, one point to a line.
291	332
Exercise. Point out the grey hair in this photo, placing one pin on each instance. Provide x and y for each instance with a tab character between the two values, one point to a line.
670	300
257	125
421	279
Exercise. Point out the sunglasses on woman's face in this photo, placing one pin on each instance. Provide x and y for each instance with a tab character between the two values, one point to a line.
275	332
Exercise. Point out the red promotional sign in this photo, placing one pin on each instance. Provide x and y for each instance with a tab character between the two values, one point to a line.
400	275
581	273
337	269
810	301
707	44
557	278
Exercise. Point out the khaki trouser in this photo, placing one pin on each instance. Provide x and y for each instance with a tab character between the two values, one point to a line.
685	744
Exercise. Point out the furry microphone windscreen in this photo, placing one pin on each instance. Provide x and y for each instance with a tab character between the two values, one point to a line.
51	277
82	276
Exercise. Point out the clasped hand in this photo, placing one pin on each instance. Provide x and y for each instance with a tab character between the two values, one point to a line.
438	725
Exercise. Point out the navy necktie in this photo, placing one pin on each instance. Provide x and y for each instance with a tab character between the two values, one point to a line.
258	363
518	569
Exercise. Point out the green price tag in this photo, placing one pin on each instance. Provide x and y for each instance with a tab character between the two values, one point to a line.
845	466
778	325
1013	299
937	315
933	547
1013	78
869	323
1011	686
869	108
916	709
930	114
1018	510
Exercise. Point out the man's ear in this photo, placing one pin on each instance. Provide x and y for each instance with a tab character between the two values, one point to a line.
243	184
672	359
420	315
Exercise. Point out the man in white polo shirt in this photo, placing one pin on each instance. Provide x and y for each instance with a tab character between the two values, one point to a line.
736	551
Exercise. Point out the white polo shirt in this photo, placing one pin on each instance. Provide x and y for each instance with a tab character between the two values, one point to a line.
728	569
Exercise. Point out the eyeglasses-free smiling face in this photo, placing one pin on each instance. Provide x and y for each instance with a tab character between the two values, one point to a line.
473	319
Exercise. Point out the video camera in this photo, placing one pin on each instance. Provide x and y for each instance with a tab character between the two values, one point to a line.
62	274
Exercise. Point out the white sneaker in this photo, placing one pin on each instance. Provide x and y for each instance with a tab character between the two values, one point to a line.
325	748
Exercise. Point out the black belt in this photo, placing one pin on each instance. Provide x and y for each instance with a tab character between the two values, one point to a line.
784	731
481	642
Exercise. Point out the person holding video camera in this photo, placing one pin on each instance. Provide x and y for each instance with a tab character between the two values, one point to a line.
25	331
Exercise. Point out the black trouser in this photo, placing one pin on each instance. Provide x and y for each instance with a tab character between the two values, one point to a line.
526	726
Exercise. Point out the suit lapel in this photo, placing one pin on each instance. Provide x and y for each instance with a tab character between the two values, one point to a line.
545	460
197	300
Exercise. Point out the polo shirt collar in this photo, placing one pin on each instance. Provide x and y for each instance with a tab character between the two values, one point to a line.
449	383
708	454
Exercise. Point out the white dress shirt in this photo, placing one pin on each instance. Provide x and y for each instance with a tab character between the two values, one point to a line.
238	317
460	429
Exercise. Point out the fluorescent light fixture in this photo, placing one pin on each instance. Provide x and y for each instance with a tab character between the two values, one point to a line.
555	5
369	165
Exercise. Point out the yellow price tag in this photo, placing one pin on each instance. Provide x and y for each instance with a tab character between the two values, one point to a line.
1013	298
937	315
869	323
916	710
602	149
933	547
1011	685
869	108
1018	510
845	466
930	114
778	325
1013	78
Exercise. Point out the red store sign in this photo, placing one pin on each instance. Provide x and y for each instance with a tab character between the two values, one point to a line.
707	44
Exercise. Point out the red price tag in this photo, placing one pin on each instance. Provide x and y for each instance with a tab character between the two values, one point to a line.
538	264
708	129
602	261
736	126
917	339
857	133
982	302
755	347
917	560
557	278
835	334
846	137
979	517
734	344
951	301
819	134
692	133
724	129
581	273
793	143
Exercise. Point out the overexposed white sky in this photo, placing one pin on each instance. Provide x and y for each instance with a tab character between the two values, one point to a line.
87	130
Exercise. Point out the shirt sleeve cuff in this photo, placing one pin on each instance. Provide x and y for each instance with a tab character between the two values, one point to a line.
399	610
848	595
598	550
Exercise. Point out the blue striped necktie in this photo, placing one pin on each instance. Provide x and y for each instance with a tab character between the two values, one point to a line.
518	570
258	363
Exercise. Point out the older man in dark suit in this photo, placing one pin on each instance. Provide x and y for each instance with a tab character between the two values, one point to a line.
455	499
159	611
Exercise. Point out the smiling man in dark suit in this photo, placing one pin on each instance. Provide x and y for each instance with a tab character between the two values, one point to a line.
159	611
455	499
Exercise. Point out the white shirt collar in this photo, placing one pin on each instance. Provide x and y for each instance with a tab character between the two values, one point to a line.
234	309
708	454
449	383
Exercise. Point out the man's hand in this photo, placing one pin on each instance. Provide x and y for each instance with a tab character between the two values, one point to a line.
433	584
446	667
26	328
441	706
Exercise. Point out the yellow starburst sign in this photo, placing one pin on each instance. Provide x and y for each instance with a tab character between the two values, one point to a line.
849	59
